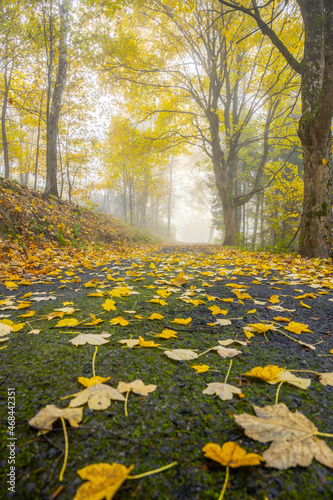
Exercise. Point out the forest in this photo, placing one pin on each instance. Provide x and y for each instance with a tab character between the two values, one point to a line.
103	102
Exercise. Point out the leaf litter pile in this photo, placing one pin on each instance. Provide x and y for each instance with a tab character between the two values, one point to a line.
157	377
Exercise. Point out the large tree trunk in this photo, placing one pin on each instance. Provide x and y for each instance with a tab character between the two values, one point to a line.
315	129
53	122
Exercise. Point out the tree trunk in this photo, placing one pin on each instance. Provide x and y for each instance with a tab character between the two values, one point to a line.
170	197
7	80
38	139
53	122
315	129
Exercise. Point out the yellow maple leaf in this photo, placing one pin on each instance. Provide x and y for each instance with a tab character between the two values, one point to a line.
269	372
258	327
159	301
182	321
196	302
96	294
201	368
305	305
167	334
281	318
147	343
119	321
274	299
24	305
231	454
28	314
11	284
155	316
163	293
298	328
109	305
216	310
103	481
16	327
94	320
67	322
87	382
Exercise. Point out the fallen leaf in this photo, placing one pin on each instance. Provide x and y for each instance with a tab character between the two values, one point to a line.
273	374
181	354
28	314
147	343
167	334
216	310
98	397
326	378
67	322
34	332
222	322
258	327
130	342
138	387
119	321
231	454
45	418
182	321
297	327
223	391
109	305
41	299
269	372
293	436
226	352
5	329
201	368
103	481
90	338
227	342
87	382
155	316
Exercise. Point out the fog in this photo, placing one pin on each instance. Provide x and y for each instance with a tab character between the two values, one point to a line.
192	218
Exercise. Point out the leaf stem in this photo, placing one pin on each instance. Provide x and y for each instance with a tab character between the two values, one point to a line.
139	476
307	371
323	434
61	475
205	352
126	413
93	361
227	375
277	392
224	484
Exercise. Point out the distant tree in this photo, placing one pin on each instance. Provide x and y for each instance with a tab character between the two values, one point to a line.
55	94
187	64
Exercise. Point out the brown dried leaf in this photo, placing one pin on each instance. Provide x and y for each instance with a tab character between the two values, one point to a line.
138	387
293	437
98	397
48	415
223	391
181	354
326	378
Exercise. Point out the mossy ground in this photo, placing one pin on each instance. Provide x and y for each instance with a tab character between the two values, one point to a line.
176	420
